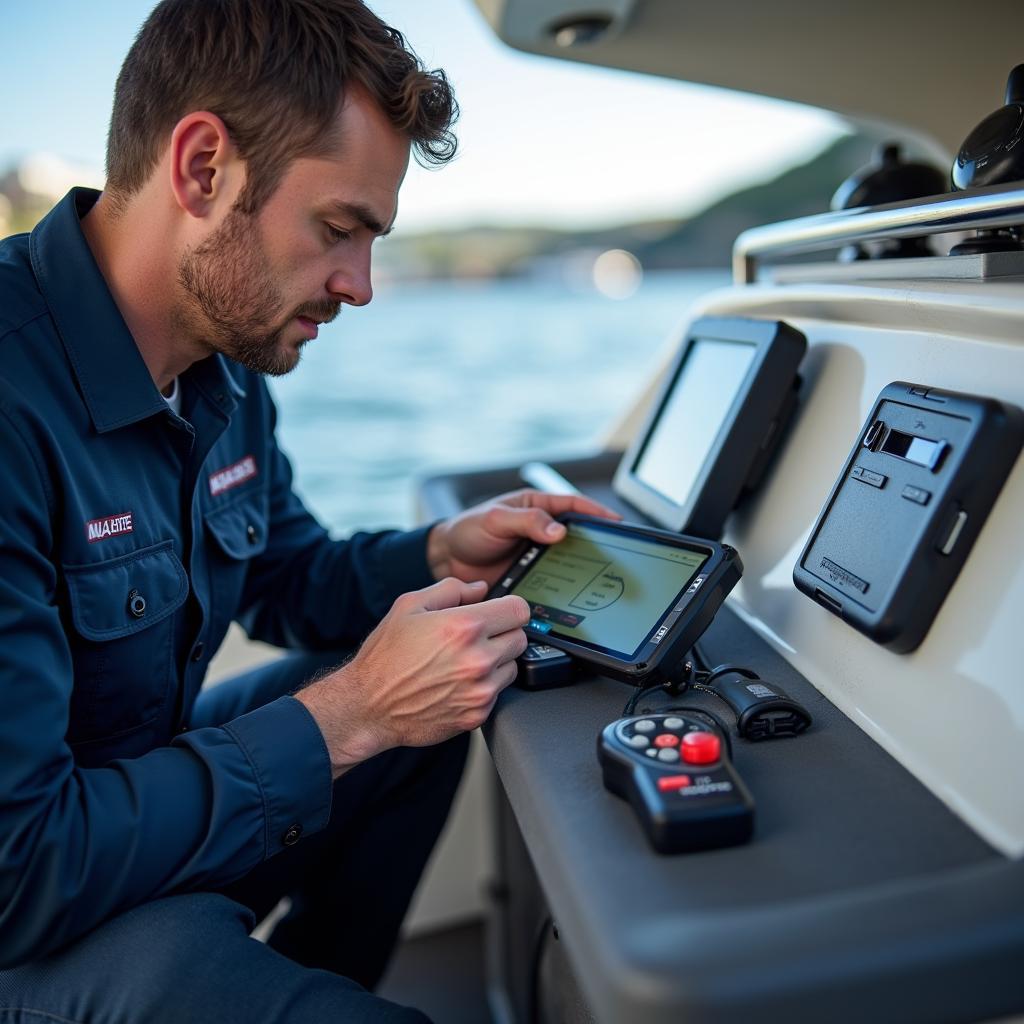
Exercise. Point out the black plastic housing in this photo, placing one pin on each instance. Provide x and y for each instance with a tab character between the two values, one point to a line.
754	423
992	153
541	667
675	826
675	630
762	710
904	514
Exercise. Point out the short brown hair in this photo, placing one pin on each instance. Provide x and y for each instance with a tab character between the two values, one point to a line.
275	71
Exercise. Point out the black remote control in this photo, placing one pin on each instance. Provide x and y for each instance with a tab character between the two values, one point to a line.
675	771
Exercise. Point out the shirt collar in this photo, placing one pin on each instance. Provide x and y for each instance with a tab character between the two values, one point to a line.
113	377
114	380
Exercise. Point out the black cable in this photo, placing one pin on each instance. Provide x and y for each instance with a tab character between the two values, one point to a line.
721	670
700	659
675	686
638	692
710	674
703	662
702	688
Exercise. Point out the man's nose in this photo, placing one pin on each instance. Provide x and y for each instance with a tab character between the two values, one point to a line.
351	283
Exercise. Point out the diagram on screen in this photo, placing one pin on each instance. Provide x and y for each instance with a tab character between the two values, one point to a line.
600	592
573	580
602	589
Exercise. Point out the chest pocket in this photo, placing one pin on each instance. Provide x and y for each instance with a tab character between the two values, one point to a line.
240	528
238	533
122	640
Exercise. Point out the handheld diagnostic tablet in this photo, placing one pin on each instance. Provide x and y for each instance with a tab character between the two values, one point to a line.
628	600
715	423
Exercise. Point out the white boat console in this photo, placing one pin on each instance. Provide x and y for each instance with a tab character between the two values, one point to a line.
885	878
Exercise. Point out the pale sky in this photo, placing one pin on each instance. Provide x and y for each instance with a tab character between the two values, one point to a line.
542	142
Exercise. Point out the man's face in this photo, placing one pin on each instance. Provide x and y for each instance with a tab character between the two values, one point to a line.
259	285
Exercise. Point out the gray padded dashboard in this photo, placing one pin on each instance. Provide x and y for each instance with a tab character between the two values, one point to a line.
860	898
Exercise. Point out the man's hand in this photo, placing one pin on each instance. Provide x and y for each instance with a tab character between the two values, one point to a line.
432	668
478	543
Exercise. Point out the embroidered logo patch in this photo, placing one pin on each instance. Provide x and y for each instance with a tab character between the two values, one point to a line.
233	475
108	526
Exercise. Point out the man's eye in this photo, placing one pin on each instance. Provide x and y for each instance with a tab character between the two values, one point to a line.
338	234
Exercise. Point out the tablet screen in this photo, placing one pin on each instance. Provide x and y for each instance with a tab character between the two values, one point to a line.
606	588
692	415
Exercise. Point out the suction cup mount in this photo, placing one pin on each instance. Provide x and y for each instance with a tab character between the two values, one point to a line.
888	179
993	154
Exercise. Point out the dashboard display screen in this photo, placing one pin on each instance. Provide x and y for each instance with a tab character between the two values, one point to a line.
692	416
606	588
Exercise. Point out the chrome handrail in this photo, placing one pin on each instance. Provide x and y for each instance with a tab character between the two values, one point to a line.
998	206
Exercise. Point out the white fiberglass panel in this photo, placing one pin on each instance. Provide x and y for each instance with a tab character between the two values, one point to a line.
951	711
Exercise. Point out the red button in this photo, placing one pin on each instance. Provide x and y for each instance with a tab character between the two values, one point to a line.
700	747
671	783
666	739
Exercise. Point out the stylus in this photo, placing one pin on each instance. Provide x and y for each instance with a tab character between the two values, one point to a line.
544	478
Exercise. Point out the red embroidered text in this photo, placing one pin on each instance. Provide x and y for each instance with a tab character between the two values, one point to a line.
233	475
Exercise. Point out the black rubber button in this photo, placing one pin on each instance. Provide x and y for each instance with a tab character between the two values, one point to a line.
136	604
250	532
197	651
291	837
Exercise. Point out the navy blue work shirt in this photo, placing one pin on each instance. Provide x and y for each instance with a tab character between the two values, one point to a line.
130	538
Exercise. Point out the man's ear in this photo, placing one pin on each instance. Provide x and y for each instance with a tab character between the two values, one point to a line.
206	172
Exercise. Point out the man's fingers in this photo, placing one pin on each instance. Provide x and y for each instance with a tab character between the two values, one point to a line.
533	523
504	676
531	515
449	593
503	614
509	645
556	504
591	508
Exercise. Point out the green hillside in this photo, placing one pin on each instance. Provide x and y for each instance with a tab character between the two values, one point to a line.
704	240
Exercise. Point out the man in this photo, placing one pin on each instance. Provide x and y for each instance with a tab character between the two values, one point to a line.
256	150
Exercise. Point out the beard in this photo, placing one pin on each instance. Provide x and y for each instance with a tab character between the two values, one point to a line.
233	304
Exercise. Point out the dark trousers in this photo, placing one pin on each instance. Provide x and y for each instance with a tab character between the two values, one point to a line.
188	958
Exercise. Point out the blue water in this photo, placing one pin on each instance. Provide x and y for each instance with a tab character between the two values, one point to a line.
463	374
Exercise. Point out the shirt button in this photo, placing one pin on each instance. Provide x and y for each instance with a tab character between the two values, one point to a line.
250	532
291	837
197	651
136	604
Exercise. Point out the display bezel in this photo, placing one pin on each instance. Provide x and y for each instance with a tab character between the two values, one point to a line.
751	423
605	527
682	620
